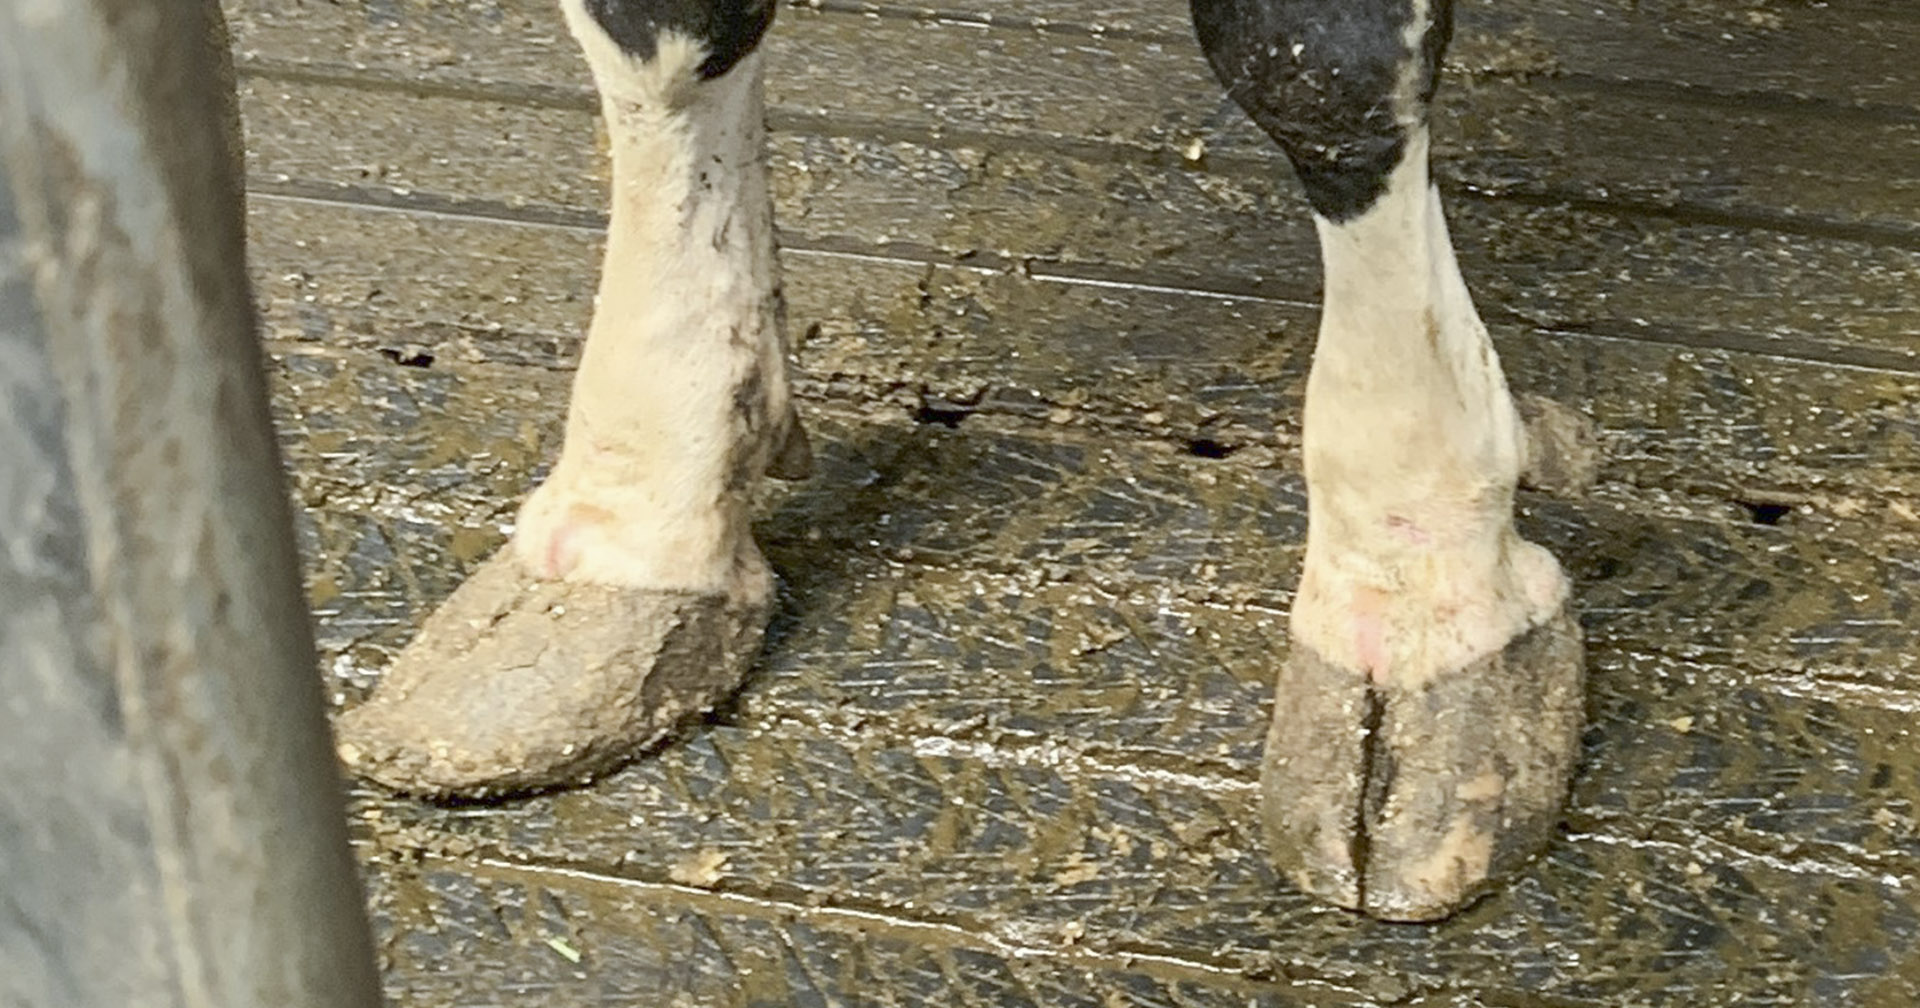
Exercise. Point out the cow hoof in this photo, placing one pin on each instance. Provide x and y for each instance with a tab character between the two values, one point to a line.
1563	447
520	684
1408	802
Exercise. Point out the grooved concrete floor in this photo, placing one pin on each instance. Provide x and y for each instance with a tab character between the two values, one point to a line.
1053	302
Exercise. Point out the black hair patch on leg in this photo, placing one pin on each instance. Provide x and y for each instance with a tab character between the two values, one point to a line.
1329	81
729	28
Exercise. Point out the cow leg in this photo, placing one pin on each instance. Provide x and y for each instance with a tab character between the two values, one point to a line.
631	593
1428	713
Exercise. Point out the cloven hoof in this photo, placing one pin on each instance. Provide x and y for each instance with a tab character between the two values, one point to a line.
1406	803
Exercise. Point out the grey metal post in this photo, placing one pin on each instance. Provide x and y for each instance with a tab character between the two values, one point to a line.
171	827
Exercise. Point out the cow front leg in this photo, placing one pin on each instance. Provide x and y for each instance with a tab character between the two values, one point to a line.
1428	713
631	593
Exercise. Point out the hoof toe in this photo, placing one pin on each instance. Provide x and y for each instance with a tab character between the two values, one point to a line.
1563	447
519	684
1407	802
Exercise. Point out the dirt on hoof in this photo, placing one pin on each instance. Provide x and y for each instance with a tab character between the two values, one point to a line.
1408	802
793	452
516	684
1563	447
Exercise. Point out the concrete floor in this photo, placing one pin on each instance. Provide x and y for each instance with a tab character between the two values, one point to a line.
1053	303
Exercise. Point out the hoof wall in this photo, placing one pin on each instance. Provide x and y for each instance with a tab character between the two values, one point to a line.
1563	448
1406	803
517	684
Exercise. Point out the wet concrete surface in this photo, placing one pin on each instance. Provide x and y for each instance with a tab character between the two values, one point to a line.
1002	747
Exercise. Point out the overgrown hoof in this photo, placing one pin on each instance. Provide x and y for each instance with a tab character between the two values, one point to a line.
1407	802
518	684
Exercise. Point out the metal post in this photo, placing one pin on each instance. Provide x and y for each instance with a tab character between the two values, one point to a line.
171	827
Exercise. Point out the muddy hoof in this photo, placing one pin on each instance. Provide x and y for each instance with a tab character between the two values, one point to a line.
517	684
1408	802
1563	447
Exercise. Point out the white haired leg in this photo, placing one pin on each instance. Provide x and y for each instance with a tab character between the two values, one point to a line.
632	593
1428	715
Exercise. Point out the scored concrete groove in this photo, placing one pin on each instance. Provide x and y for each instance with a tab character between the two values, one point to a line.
1709	420
1242	160
1811	190
794	927
1127	278
1788	58
931	198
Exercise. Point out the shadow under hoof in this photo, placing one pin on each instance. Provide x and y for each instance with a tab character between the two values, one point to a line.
517	684
1407	802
